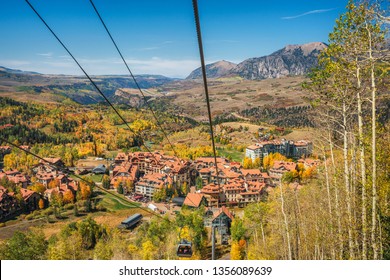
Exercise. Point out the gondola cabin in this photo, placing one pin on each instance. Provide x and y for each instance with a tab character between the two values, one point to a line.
184	249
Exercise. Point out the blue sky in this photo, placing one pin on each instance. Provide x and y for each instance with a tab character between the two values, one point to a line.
156	37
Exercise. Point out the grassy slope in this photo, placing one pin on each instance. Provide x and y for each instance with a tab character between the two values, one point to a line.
234	95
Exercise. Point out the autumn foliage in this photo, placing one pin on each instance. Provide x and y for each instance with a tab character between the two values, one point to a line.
84	191
238	250
68	197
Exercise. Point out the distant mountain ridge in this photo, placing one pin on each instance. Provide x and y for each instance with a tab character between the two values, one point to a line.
214	70
16	71
292	60
76	88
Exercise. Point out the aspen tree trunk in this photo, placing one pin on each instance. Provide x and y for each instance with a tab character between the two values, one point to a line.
380	238
354	198
347	182
297	229
337	205
263	236
362	166
262	233
373	143
329	205
285	250
327	184
285	224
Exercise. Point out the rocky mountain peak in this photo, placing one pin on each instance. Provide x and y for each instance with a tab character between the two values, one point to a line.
306	48
292	60
214	70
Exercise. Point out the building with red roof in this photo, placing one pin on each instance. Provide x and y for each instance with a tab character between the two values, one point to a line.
195	200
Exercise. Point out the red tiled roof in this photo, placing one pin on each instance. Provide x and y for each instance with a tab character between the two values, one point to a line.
253	147
256	186
5	148
205	170
121	156
211	188
18	179
302	143
193	199
290	166
232	188
225	211
12	172
210	160
26	194
264	175
251	172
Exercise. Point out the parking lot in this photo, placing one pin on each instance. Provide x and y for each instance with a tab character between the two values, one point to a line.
163	207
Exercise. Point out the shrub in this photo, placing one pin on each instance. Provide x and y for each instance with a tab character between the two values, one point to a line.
69	206
36	213
101	208
29	217
48	211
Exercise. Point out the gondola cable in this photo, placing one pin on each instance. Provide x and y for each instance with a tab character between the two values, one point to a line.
89	78
117	112
133	77
203	64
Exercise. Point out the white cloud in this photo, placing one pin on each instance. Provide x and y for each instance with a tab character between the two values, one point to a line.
309	13
60	64
14	63
49	54
155	47
178	68
167	67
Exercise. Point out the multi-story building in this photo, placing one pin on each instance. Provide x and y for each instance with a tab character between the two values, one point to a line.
287	148
9	205
151	183
179	171
279	168
19	179
214	195
124	172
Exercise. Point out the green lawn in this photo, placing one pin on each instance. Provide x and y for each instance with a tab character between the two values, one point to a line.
234	154
97	178
112	203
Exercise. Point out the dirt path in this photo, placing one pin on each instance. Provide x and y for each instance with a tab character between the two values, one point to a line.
8	231
240	117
